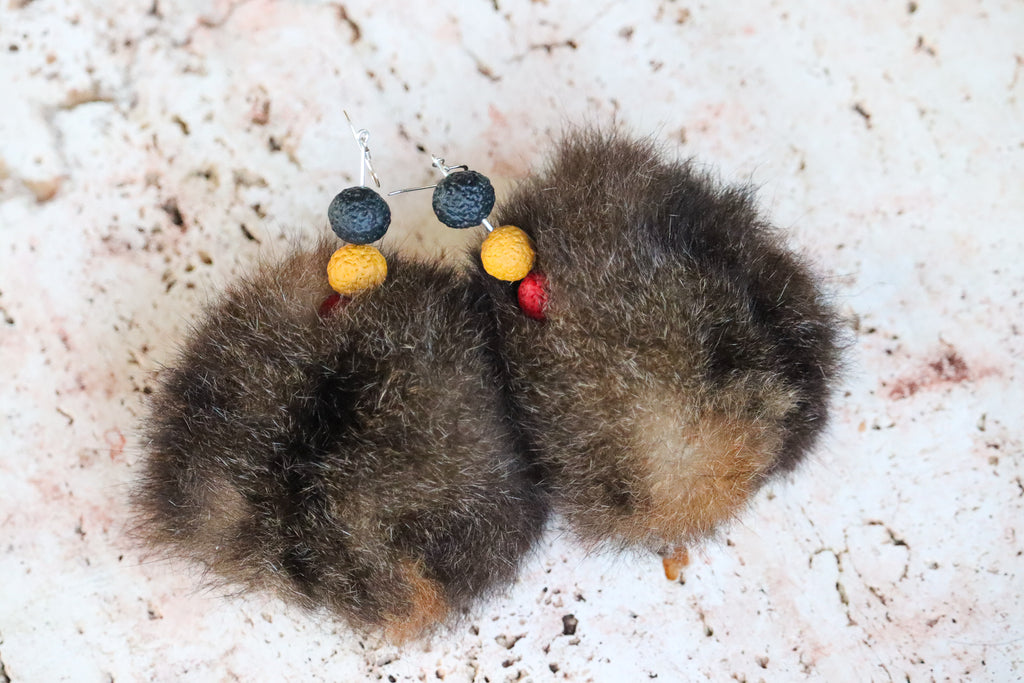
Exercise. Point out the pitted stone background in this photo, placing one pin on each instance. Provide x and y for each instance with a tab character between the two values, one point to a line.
150	151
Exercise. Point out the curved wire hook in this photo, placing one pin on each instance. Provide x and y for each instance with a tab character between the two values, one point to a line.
439	163
362	136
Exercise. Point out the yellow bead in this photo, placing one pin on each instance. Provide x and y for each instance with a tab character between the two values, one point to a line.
356	267
507	254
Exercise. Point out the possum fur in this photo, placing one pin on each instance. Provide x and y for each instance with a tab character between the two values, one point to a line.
686	356
361	462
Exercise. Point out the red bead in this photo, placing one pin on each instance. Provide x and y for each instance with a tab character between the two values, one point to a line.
533	295
328	305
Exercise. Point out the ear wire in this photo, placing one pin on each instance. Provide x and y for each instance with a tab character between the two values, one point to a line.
362	137
438	163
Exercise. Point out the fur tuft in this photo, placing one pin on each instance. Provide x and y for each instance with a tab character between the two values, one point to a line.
361	462
686	354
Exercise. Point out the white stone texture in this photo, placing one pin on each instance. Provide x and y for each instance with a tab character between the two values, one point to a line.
888	138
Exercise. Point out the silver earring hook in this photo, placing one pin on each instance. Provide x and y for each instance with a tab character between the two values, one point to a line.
439	163
445	170
362	136
411	189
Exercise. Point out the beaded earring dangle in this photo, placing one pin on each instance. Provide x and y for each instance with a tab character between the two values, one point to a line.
463	199
359	216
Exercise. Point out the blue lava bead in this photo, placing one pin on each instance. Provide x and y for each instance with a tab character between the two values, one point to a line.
359	215
463	199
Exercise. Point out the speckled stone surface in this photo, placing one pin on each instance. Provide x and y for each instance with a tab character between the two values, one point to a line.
150	151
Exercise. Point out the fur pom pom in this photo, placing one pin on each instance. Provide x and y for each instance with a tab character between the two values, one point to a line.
685	356
360	461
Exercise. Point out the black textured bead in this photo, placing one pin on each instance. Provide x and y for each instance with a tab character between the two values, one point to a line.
463	199
359	215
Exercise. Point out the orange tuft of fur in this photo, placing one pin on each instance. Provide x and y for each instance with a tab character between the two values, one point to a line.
674	561
426	608
702	475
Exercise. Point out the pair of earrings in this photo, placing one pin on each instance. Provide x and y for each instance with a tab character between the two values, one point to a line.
394	461
462	199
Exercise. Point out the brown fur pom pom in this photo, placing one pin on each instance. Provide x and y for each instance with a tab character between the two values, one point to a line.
686	353
360	461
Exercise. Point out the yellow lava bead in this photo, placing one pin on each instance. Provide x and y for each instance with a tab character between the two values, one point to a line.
355	268
507	254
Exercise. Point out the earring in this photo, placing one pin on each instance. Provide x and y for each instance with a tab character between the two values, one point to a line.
359	216
687	355
464	199
359	463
